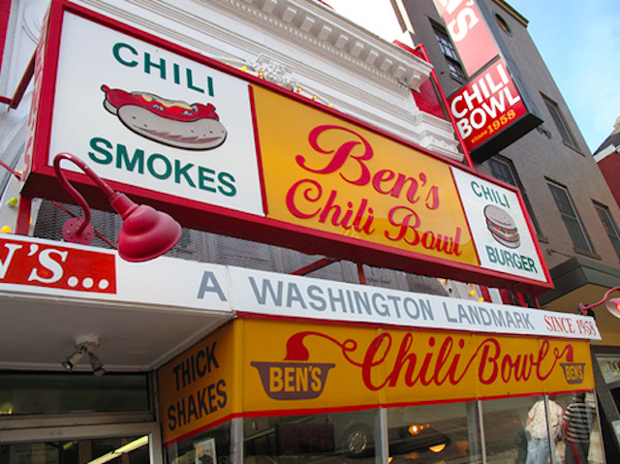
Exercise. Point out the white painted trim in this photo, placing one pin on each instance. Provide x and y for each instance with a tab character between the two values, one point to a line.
605	152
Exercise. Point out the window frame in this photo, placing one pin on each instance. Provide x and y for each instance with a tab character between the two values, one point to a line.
609	224
450	53
560	123
574	219
515	181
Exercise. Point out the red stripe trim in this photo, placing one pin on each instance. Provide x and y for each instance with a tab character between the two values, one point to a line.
5	13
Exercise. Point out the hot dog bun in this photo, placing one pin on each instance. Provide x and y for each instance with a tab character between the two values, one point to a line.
173	123
201	134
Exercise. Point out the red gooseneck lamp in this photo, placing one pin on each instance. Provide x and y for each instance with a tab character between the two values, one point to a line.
145	234
613	305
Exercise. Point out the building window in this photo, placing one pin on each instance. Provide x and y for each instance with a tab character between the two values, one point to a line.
560	123
503	24
504	170
570	217
610	226
449	51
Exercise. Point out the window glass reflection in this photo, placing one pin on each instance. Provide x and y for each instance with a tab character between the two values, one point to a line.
24	393
581	436
210	447
113	450
505	423
442	433
321	438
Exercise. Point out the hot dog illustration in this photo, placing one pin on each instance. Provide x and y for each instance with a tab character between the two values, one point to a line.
173	123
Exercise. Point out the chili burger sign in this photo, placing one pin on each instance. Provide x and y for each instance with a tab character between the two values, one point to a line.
228	153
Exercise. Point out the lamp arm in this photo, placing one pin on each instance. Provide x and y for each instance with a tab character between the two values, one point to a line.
585	308
11	170
72	191
87	170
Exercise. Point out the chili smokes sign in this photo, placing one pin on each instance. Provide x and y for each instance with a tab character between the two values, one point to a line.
142	115
228	153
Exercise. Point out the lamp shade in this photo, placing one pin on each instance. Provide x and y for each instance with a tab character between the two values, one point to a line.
613	306
146	233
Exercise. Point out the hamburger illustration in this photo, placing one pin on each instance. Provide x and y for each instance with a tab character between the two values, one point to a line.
502	226
173	123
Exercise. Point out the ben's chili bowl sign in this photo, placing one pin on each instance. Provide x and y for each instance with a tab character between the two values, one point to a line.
349	181
345	180
310	363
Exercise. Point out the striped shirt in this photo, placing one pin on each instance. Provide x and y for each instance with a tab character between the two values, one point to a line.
579	418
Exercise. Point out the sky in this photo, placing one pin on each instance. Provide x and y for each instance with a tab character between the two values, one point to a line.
579	41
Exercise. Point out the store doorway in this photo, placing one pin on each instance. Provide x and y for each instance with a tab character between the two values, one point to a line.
129	443
112	450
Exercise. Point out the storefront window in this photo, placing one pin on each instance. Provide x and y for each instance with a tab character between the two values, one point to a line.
33	393
442	433
563	429
321	438
113	450
581	437
505	423
210	447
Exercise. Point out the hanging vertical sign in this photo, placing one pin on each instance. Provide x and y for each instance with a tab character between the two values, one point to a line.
469	33
487	106
494	108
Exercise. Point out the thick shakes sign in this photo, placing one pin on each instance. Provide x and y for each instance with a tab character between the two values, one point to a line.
228	153
196	389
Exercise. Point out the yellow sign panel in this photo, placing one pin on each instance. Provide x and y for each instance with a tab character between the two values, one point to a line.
290	366
196	389
268	367
330	175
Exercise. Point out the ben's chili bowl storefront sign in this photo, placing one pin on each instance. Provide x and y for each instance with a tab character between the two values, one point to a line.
256	366
298	366
145	116
349	181
168	125
345	180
